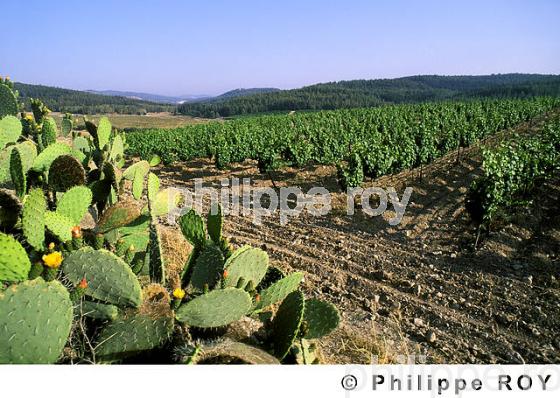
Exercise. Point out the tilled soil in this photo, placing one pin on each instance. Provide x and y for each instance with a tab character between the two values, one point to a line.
418	288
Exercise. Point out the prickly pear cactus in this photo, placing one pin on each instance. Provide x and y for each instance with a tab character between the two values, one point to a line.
109	278
215	309
156	262
153	186
19	177
192	227
129	336
67	126
100	311
214	225
75	203
33	218
8	101
66	172
208	267
49	131
278	290
249	263
14	263
35	322
103	132
28	152
120	214
43	161
58	225
10	130
320	318
287	322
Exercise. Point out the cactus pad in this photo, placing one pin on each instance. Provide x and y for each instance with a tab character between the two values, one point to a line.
287	322
192	227
214	309
66	172
278	290
120	214
165	201
28	153
208	267
103	132
127	337
153	186
156	265
321	318
33	218
214	225
49	131
247	262
100	311
14	263
8	101
43	161
75	203
10	130
19	177
67	126
109	278
35	323
59	225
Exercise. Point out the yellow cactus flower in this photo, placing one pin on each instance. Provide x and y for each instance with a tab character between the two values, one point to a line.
179	293
51	246
53	260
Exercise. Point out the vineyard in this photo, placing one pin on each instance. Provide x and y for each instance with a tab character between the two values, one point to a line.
93	265
380	140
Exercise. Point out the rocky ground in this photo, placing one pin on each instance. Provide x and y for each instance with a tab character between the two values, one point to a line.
418	288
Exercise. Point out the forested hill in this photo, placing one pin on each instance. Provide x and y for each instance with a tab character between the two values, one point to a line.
73	101
367	93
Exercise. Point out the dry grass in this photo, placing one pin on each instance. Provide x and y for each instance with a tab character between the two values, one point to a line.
176	252
151	120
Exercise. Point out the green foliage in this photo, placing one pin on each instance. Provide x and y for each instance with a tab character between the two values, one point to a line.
156	264
353	176
384	140
14	263
321	318
33	218
512	170
247	262
128	336
286	324
109	278
216	308
35	323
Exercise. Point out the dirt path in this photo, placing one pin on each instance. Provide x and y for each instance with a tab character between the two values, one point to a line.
418	288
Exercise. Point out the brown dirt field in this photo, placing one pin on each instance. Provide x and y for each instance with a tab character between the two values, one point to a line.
418	288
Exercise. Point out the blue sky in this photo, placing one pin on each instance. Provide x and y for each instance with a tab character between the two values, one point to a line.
208	47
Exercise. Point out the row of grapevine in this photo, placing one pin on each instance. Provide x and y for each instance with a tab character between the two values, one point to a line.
512	170
386	139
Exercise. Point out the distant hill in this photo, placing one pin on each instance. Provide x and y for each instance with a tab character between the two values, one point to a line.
367	93
162	99
242	92
65	100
